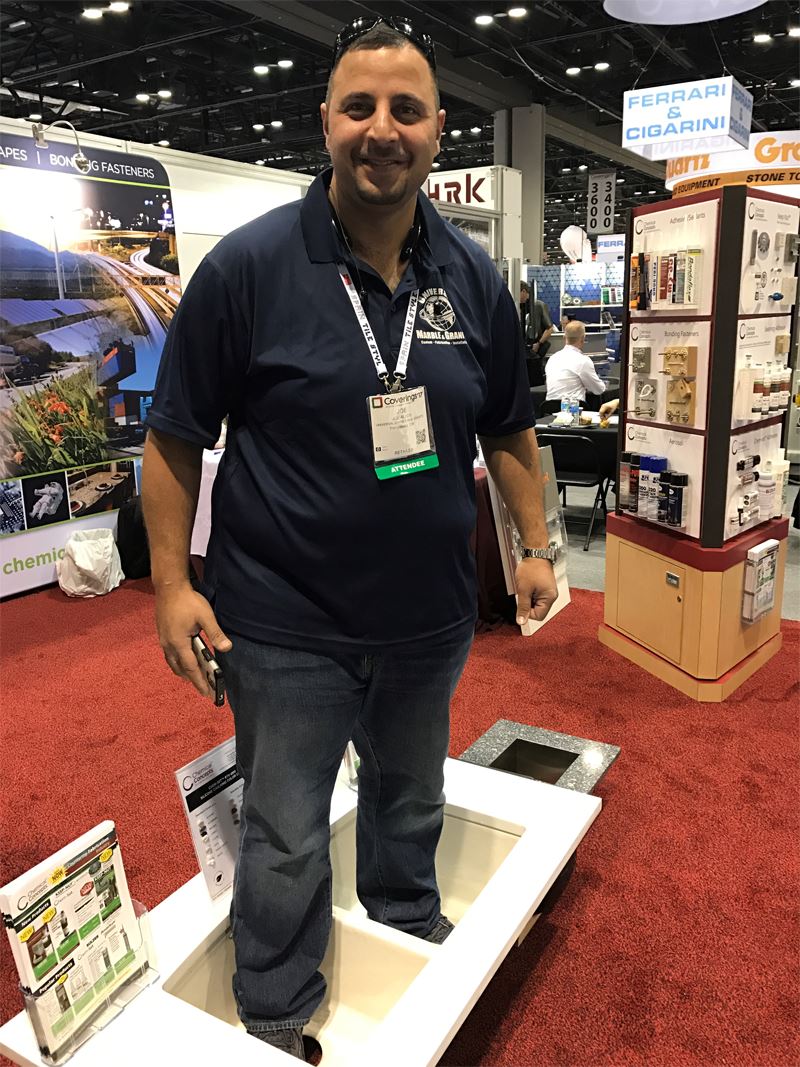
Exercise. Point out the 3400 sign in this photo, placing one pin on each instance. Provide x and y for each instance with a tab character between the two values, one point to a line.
600	201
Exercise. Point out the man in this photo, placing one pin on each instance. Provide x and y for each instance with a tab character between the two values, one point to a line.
347	595
570	373
536	328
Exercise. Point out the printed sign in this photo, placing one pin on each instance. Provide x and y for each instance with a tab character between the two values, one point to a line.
600	201
89	284
771	159
470	188
672	120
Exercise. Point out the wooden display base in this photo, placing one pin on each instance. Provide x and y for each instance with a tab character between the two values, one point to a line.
697	689
675	608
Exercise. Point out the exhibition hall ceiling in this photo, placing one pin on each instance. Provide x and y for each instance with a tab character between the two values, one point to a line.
242	79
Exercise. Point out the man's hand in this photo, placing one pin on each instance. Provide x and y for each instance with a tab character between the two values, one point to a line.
534	346
536	589
180	614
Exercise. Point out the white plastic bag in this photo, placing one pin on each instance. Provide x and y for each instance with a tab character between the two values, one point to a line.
91	565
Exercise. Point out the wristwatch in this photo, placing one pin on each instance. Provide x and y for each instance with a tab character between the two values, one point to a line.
550	553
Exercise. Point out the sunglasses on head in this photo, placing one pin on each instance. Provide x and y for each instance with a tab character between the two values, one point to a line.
350	33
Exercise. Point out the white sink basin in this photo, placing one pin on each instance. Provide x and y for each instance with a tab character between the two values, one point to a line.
392	998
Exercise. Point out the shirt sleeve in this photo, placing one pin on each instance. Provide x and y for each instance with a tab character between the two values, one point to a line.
589	378
547	322
508	408
204	361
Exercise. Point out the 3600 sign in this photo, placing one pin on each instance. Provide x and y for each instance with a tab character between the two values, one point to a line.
600	201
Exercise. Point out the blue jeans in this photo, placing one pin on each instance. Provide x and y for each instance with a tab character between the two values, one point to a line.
294	712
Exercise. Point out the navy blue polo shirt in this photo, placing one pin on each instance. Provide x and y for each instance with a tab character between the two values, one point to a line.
308	548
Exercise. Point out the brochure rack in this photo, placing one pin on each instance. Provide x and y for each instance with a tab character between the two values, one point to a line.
702	470
106	1008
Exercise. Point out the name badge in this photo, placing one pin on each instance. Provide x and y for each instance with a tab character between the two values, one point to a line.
402	435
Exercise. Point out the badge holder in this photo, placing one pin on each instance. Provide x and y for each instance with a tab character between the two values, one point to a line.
389	433
50	1011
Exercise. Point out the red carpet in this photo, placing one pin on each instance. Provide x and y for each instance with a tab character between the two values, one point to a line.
676	941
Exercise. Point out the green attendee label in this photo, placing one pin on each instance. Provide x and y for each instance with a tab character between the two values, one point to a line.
408	466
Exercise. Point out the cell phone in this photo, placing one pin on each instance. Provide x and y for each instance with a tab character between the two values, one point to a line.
210	667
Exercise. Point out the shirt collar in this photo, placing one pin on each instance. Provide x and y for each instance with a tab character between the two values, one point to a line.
322	242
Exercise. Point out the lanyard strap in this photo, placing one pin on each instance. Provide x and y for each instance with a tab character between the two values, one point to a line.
369	336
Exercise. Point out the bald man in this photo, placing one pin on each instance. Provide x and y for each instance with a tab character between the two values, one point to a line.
570	373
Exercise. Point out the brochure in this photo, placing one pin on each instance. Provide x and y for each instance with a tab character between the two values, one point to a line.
73	933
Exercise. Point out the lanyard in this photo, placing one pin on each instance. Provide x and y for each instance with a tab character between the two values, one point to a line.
369	336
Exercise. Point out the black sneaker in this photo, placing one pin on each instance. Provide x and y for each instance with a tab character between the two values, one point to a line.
440	932
289	1040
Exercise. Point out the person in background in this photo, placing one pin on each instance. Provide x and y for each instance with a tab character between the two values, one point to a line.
609	408
570	373
536	329
341	592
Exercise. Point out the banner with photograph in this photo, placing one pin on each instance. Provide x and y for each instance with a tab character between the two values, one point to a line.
89	282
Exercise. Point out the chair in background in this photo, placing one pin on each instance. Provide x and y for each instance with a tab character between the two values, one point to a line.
549	407
577	463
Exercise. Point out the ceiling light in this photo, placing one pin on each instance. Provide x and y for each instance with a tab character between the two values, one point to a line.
261	68
475	129
163	143
35	116
651	192
118	6
583	166
637	192
435	166
620	181
572	71
23	22
260	162
285	64
277	124
143	97
566	170
517	12
793	31
93	12
455	133
484	20
795	83
762	38
601	66
165	94
258	126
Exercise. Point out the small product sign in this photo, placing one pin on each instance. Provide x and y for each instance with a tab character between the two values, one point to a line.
600	201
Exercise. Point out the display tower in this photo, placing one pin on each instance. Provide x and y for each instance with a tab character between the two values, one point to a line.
696	551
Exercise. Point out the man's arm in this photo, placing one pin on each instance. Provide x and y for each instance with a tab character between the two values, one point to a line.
589	378
171	471
513	463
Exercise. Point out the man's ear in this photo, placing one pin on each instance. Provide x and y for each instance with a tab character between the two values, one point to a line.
323	111
440	123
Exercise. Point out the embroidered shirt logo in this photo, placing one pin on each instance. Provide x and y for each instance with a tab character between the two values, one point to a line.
437	311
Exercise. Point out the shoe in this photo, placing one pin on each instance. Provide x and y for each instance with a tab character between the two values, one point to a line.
440	932
289	1040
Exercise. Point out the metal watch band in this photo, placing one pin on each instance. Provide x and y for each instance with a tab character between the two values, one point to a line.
550	553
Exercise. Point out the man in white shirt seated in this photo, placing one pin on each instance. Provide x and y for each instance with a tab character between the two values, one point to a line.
570	374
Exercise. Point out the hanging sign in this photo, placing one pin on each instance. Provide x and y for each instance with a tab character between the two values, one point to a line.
771	160
611	247
674	120
600	201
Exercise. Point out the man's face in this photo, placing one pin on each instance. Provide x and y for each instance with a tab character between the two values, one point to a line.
381	125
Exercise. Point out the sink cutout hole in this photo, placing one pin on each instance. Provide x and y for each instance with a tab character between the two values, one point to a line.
532	760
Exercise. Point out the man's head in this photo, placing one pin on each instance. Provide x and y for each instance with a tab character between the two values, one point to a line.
381	116
574	333
524	292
